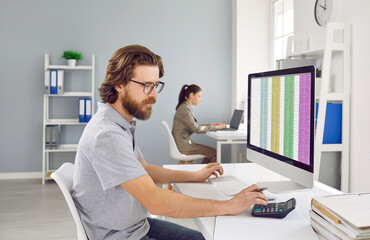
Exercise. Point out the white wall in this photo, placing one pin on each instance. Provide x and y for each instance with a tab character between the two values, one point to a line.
250	52
357	14
251	44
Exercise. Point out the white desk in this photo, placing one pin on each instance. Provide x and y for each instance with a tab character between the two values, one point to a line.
247	172
228	137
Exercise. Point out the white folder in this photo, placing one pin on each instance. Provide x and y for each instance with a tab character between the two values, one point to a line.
53	82
60	77
88	109
47	82
81	111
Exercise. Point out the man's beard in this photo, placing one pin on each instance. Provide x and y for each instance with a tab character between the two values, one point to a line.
136	109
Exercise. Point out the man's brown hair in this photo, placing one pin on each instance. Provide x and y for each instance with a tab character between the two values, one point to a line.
121	67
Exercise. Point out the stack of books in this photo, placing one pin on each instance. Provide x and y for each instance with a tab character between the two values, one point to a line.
345	216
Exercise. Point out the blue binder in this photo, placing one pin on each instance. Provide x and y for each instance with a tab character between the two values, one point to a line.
81	110
333	123
53	81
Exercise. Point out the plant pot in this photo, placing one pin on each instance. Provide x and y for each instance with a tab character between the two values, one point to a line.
71	62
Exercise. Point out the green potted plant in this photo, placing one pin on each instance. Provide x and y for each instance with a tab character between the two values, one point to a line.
72	57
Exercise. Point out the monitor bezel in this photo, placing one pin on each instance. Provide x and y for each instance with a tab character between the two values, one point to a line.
289	71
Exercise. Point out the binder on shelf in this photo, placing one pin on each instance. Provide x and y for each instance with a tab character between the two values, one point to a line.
47	82
47	137
60	77
333	123
54	136
53	81
88	109
81	110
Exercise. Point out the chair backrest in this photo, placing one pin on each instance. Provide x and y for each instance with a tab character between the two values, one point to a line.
174	151
64	178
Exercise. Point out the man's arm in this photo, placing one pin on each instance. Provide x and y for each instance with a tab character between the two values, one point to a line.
162	175
160	201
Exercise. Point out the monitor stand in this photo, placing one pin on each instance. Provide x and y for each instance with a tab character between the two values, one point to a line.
282	186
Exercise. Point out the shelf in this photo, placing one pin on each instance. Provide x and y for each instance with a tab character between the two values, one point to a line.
66	67
64	122
71	94
64	148
50	134
338	47
308	53
333	147
333	97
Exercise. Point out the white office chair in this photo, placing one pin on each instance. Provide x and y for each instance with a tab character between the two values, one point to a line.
174	151
64	178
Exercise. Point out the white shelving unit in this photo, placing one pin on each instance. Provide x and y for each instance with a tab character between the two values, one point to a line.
338	41
63	148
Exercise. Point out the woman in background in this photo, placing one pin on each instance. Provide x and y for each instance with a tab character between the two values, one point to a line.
185	124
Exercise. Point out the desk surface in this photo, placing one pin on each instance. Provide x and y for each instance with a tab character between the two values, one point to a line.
250	173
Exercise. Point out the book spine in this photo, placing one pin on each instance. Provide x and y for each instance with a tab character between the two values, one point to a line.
323	231
337	229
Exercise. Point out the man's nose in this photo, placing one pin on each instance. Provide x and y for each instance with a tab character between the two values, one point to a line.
154	93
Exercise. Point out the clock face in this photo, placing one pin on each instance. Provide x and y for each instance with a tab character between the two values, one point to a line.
324	11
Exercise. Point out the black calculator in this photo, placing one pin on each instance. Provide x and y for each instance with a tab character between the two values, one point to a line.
274	210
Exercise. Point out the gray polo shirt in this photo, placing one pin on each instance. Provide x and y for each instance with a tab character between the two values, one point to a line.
106	157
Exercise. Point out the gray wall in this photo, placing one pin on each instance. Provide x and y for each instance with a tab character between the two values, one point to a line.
193	37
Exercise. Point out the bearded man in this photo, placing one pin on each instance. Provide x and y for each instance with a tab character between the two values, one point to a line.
113	186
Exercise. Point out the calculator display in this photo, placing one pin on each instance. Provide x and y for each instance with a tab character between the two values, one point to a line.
289	204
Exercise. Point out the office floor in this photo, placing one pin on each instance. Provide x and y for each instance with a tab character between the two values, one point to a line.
30	210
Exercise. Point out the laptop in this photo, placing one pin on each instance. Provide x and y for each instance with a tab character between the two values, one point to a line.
235	121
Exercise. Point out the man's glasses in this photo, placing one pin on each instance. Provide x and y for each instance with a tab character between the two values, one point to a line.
148	87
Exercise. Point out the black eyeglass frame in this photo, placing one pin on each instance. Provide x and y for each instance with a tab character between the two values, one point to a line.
150	86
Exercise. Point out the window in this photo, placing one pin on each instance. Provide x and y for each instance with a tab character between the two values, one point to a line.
283	17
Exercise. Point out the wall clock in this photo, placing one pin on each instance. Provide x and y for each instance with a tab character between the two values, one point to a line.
325	11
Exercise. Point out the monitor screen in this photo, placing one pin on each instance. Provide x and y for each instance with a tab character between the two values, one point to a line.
281	116
236	118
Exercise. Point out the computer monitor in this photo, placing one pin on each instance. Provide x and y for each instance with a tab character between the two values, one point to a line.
281	125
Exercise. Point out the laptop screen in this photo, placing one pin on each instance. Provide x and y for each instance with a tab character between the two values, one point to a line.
236	119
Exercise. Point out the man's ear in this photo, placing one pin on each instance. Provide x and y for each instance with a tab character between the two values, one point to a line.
119	88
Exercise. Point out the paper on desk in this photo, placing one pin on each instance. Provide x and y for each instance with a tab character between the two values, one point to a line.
245	226
355	208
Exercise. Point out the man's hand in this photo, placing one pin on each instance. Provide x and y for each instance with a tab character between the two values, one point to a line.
209	170
246	198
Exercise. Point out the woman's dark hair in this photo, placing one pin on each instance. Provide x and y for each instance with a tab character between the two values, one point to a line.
185	91
121	69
